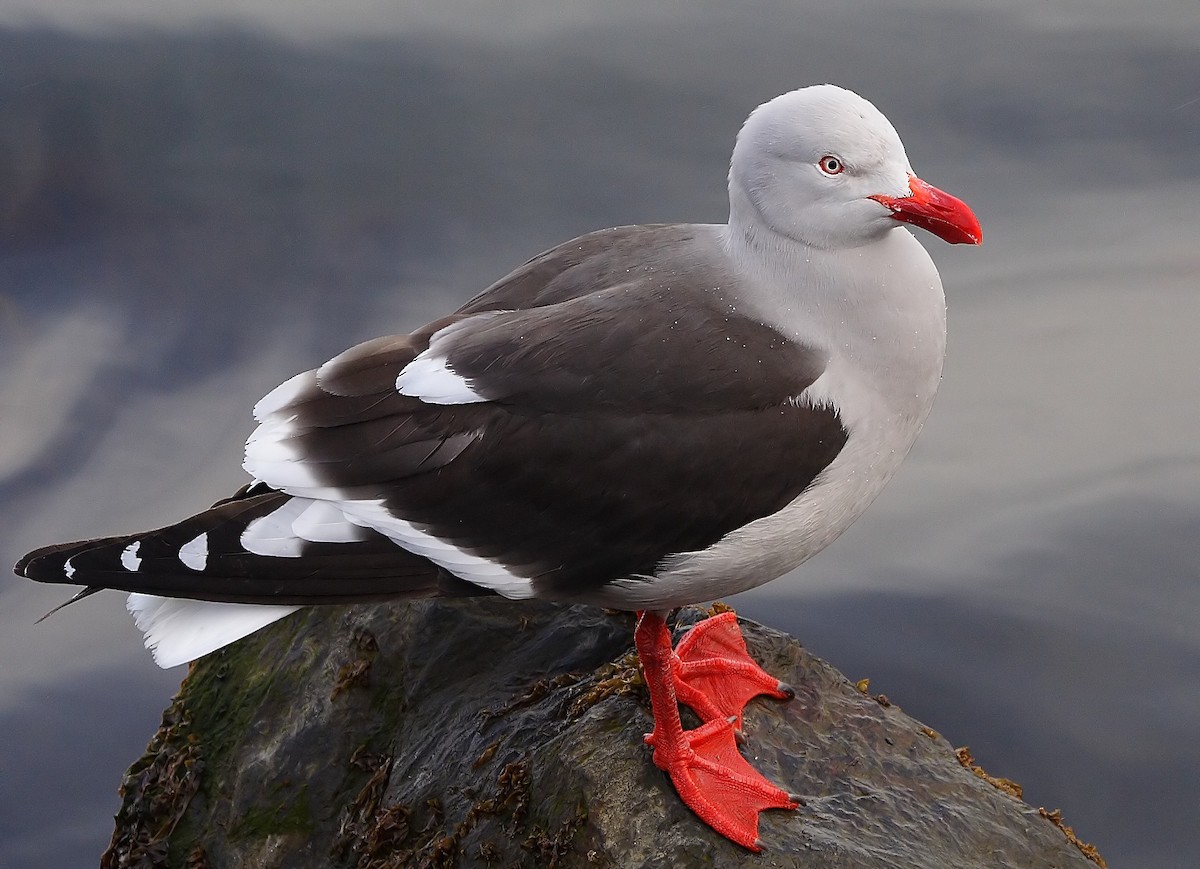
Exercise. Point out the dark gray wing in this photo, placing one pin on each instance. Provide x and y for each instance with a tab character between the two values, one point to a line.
613	409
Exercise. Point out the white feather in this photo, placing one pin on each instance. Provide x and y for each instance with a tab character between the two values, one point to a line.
430	378
271	456
178	631
287	475
465	565
129	556
194	553
323	522
283	394
271	442
272	534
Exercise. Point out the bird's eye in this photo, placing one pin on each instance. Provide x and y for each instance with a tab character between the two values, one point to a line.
831	165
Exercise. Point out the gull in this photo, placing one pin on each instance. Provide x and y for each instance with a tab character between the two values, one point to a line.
641	418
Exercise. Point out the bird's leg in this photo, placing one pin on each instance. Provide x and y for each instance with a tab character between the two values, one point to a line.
711	777
715	675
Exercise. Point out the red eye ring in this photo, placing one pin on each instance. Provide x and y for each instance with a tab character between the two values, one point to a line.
831	165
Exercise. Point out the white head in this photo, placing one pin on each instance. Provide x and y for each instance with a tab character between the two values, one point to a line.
824	167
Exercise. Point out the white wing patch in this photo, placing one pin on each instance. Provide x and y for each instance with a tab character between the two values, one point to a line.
178	631
287	474
270	456
317	513
324	522
465	565
283	394
272	534
129	556
194	553
269	441
430	378
283	532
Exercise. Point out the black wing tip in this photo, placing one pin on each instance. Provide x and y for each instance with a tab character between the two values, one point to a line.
22	564
32	565
49	563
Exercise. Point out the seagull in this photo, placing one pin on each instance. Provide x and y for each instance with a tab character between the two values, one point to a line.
641	418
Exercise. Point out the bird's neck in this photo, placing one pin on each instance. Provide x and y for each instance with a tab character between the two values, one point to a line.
878	309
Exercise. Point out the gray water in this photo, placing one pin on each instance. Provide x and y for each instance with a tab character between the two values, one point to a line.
197	203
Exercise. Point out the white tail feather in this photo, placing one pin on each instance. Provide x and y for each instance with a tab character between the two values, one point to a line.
178	631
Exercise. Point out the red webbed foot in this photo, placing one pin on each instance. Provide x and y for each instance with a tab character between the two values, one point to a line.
711	777
715	675
717	783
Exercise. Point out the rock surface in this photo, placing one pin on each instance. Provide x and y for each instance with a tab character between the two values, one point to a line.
479	732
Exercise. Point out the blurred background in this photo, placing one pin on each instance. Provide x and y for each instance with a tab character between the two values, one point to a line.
199	199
